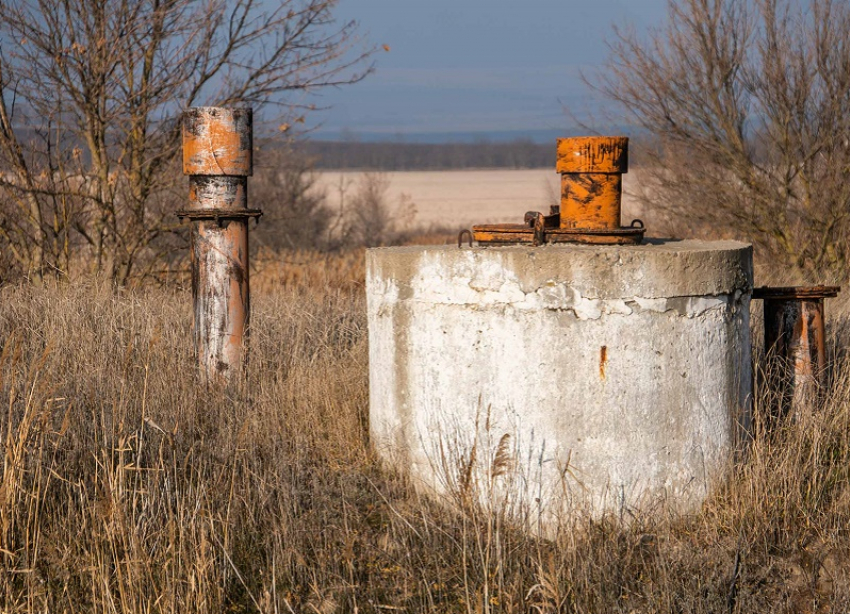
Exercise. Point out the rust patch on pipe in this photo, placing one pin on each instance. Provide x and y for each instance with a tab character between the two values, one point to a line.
591	200
593	154
221	294
218	141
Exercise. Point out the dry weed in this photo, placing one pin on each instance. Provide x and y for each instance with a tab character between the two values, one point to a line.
128	487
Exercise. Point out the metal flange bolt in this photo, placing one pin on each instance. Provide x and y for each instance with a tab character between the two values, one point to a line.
218	157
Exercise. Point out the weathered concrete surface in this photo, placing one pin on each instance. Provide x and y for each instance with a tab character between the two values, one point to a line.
609	378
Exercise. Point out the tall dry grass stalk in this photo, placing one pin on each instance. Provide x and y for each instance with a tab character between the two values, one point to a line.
128	487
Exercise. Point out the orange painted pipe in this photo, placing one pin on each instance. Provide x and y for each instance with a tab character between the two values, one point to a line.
217	156
592	181
218	141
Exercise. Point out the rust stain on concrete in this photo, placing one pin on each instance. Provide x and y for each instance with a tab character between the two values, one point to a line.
603	360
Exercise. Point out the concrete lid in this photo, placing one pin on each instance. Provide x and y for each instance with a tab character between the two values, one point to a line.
660	268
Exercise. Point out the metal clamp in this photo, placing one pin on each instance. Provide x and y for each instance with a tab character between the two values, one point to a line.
219	214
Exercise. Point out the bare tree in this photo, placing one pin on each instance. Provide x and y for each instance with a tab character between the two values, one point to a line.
90	93
749	103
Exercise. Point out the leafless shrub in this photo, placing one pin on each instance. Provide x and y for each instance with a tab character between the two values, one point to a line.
297	215
295	212
748	103
370	219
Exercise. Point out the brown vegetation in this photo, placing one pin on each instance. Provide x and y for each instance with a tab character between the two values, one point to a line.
747	101
302	210
128	487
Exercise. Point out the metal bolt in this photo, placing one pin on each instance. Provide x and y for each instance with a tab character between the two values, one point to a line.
217	156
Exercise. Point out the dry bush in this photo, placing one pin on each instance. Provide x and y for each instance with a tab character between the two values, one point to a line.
90	99
746	103
370	219
295	211
308	271
297	214
127	486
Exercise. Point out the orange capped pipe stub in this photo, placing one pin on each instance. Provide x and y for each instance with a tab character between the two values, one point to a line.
591	169
218	141
593	154
217	144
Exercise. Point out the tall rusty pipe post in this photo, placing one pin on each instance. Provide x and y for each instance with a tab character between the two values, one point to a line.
794	340
217	156
591	171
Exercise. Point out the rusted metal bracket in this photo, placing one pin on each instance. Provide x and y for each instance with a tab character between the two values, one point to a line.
507	234
794	339
591	171
219	214
217	156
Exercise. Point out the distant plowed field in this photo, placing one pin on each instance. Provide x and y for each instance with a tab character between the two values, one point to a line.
465	197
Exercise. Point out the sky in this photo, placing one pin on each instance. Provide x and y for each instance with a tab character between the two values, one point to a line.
494	68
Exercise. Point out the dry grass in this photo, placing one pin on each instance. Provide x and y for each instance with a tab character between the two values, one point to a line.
128	487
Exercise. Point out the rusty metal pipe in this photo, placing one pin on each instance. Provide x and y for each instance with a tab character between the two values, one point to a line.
217	156
590	207
591	171
794	341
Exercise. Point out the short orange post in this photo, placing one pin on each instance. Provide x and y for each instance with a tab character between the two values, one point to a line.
591	171
795	341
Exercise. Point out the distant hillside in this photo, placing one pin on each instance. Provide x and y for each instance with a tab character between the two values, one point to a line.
427	156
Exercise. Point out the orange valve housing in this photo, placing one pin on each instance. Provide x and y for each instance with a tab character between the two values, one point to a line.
592	181
591	171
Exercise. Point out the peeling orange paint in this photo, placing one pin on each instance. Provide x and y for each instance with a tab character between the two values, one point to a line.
593	154
592	180
217	142
591	200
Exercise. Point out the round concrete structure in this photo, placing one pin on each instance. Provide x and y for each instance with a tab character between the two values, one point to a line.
561	377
